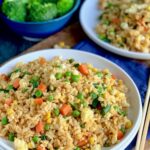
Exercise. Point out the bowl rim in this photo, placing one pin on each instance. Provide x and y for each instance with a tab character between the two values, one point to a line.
75	7
132	133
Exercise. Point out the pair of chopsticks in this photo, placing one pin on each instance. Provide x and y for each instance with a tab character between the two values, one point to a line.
141	138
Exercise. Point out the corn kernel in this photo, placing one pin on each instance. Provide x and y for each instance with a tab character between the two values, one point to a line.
148	8
31	145
92	140
48	120
10	111
62	44
128	124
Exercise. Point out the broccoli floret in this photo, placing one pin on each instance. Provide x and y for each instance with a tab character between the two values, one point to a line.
64	6
42	12
14	9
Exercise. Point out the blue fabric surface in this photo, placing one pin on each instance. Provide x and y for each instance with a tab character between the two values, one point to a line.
138	72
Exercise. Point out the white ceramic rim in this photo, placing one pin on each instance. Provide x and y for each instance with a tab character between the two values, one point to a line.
127	140
92	35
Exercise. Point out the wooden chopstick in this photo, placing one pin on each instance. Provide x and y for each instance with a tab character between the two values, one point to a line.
145	130
146	103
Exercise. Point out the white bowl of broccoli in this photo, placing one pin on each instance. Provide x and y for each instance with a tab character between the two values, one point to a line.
36	19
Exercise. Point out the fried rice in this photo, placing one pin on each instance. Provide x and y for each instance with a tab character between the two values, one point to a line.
62	104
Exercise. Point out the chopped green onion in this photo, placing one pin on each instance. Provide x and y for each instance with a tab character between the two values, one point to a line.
4	121
50	98
46	127
38	93
58	76
76	113
10	87
104	38
43	137
99	74
56	111
93	95
95	103
68	74
75	78
123	129
35	139
80	96
71	60
76	65
105	110
120	111
11	137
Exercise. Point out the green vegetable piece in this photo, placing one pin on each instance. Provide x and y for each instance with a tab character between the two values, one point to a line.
41	12
71	60
77	148
35	139
105	110
76	113
10	87
84	103
58	76
76	65
104	38
14	10
56	112
74	105
82	125
43	137
4	121
64	6
99	74
95	103
120	111
75	78
106	22
93	95
11	137
123	129
35	81
38	93
68	74
50	98
46	127
3	90
80	96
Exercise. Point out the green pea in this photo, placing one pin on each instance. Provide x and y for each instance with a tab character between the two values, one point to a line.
35	139
75	78
84	103
58	76
43	137
50	98
68	74
77	148
4	121
76	113
10	87
35	81
46	127
99	74
104	38
38	93
105	110
56	111
11	137
80	96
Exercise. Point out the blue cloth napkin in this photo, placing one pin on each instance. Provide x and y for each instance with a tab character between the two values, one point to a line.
139	72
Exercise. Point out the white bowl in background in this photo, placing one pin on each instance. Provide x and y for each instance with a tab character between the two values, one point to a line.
89	15
135	109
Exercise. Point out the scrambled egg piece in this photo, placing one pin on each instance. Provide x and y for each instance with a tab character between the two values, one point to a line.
20	144
87	115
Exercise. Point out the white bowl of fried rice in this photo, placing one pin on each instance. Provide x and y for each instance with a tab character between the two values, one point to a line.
121	27
67	100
